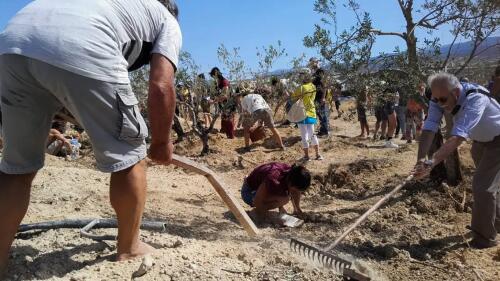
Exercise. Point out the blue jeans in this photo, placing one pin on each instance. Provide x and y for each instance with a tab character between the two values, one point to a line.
247	195
401	115
323	114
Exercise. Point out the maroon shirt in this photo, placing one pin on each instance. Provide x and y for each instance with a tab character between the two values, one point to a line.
273	175
223	83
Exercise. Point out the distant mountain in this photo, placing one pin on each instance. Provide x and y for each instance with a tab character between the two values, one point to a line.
487	49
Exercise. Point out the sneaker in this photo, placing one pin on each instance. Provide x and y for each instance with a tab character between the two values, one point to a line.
375	137
409	141
482	244
390	144
319	158
304	159
382	137
403	137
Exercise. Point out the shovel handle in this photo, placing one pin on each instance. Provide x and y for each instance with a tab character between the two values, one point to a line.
363	217
226	196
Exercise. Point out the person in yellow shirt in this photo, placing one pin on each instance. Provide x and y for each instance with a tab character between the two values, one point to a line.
307	92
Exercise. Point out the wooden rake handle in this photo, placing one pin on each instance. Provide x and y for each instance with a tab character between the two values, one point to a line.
226	196
363	217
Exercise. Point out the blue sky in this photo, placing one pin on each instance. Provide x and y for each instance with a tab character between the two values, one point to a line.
255	23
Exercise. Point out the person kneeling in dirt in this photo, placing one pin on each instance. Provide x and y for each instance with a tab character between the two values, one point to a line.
476	116
272	186
255	109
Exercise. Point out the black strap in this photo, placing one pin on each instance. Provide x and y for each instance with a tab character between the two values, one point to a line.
477	90
471	91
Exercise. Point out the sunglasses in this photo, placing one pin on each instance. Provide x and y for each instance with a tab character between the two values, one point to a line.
440	100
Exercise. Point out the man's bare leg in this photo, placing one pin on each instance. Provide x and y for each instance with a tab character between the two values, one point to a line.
246	136
391	125
14	201
128	197
277	138
362	130
383	129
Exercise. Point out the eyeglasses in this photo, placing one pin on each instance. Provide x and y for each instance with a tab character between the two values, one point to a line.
440	100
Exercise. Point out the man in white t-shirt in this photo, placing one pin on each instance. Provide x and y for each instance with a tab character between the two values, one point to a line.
256	109
77	54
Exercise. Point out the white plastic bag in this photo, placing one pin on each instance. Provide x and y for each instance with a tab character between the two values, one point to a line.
297	112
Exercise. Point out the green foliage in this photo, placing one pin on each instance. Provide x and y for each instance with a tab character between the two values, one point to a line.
188	69
232	62
139	80
349	52
267	56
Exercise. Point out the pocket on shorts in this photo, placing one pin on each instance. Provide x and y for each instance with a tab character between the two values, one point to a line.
132	127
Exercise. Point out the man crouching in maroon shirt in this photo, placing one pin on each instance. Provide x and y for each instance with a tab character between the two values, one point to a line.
272	186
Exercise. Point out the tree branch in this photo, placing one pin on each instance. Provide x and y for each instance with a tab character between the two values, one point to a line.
448	55
383	33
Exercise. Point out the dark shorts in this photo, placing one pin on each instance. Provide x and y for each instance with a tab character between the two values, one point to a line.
380	114
247	195
389	108
361	113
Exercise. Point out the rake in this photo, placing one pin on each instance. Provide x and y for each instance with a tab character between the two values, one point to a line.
322	255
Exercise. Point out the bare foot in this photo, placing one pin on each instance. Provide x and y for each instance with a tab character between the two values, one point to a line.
139	251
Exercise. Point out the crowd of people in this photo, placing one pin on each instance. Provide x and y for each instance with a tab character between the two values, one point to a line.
83	67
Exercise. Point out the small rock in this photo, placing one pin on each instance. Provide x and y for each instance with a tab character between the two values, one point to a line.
145	267
177	244
184	257
387	251
241	257
28	259
377	227
417	217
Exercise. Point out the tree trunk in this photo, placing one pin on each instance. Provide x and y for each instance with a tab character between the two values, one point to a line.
204	140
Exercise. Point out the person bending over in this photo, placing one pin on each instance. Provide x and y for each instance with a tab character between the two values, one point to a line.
272	186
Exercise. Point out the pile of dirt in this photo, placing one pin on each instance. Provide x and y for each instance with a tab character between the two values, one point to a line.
348	181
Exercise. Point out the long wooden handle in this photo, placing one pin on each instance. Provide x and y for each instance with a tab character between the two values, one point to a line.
363	217
226	196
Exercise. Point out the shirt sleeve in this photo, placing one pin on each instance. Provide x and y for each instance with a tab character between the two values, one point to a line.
434	117
272	181
169	41
472	112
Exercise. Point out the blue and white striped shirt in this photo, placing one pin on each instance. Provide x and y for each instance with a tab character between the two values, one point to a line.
478	118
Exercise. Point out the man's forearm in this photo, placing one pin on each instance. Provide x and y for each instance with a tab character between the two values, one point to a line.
447	149
425	143
161	105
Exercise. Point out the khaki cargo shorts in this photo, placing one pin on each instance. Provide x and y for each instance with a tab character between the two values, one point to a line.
263	115
33	91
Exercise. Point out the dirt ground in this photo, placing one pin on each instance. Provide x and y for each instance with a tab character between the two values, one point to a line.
419	235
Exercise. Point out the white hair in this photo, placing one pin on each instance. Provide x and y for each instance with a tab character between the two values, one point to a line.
444	79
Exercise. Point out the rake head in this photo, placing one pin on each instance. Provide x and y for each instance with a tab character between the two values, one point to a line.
317	255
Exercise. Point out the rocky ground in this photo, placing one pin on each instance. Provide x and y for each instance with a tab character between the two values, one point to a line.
419	235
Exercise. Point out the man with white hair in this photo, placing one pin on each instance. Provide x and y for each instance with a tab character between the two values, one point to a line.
476	116
78	54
